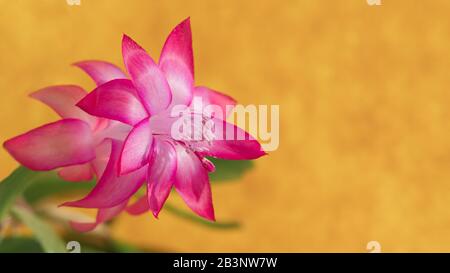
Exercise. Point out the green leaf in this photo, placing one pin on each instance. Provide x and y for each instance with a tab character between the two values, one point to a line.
229	169
52	185
20	245
35	186
13	186
44	233
195	219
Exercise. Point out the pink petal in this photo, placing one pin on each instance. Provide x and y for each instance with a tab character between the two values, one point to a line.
63	99
148	79
192	183
76	173
139	207
209	166
160	174
115	100
111	190
58	144
177	63
102	155
136	148
162	123
212	97
230	142
112	130
100	71
103	215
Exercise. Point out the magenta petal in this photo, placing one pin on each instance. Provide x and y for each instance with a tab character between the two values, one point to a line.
111	189
192	183
209	166
100	71
177	63
147	77
112	130
59	144
76	173
139	207
160	174
179	46
103	215
136	148
212	97
202	206
230	142
63	99
102	155
115	100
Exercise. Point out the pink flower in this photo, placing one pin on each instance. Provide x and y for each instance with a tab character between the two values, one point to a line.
145	102
125	134
74	144
79	145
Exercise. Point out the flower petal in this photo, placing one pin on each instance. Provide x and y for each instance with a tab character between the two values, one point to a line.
100	71
230	142
111	189
76	173
136	148
177	63
63	99
192	183
102	155
147	77
160	174
209	166
58	144
212	97
113	130
115	100
103	215
139	207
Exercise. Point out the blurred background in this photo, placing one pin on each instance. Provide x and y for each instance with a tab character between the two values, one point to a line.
364	119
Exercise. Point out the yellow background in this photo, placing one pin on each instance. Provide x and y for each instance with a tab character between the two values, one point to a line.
363	92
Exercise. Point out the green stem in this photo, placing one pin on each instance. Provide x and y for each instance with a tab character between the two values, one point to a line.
13	186
44	233
194	218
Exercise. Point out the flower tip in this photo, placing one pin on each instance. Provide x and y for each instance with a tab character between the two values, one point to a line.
8	145
77	64
84	104
81	64
65	204
36	94
155	214
185	25
74	204
127	41
125	37
212	217
128	45
5	144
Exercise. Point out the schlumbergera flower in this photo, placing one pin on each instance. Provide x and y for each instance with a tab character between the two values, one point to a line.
77	143
142	127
